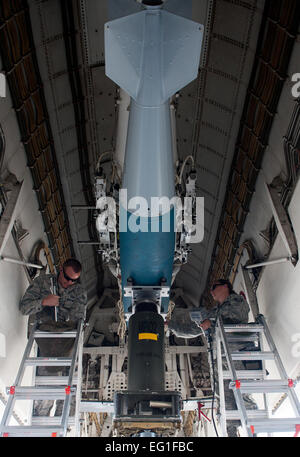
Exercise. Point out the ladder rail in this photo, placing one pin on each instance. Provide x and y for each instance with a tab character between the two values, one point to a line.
291	392
11	399
221	385
79	383
25	356
67	403
237	393
263	363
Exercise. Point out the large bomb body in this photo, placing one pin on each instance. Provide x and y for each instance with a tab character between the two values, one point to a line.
151	55
146	356
146	405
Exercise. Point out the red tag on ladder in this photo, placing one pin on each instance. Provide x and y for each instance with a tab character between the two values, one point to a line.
237	384
201	413
12	390
297	430
252	429
290	383
54	435
68	390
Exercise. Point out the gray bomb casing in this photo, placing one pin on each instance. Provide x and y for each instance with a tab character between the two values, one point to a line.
146	358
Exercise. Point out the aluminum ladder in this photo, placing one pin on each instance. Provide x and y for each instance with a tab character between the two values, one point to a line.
47	388
253	381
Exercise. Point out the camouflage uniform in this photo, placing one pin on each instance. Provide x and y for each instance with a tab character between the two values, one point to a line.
234	310
72	307
72	300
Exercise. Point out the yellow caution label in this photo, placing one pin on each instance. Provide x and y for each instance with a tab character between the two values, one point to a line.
148	336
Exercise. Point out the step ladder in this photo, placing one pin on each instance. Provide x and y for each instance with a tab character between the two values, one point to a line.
252	381
47	388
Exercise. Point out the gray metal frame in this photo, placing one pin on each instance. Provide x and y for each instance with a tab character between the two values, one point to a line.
252	381
54	388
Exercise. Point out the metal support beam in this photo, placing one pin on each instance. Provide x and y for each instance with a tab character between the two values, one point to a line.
96	407
269	262
86	207
8	217
283	223
101	350
20	262
251	296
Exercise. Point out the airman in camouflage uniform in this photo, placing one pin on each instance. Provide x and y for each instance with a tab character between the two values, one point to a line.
233	309
56	303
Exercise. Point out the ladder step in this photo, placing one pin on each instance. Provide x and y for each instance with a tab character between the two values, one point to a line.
245	374
240	338
50	421
254	355
54	380
40	334
234	414
49	361
243	328
19	430
40	393
275	425
262	386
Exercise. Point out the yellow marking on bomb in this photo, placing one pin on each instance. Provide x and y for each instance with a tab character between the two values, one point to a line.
148	336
